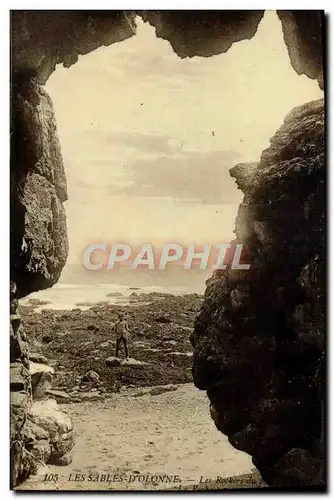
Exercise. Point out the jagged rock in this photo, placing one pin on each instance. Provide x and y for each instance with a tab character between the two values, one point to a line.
298	468
38	188
56	425
62	445
155	391
34	432
35	357
93	328
162	319
182	354
133	362
48	415
20	403
20	395
64	460
47	339
18	377
304	38
91	376
113	361
41	39
41	379
21	463
240	297
259	336
15	320
243	173
18	348
108	343
203	33
59	396
40	368
37	441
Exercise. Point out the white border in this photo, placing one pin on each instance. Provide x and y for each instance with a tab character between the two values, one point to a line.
169	5
4	184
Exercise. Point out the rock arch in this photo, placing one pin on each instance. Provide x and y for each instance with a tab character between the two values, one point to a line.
294	162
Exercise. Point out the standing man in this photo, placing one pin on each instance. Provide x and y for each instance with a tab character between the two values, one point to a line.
122	332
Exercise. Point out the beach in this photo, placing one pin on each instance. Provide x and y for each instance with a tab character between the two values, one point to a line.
138	419
126	440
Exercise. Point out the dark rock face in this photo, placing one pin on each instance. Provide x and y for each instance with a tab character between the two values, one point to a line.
42	39
38	188
40	432
259	336
203	33
38	253
304	36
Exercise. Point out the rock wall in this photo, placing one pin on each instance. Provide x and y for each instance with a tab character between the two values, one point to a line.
38	189
304	35
41	39
38	253
259	337
203	33
40	433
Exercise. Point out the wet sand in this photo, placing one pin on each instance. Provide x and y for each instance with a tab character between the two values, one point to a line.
131	437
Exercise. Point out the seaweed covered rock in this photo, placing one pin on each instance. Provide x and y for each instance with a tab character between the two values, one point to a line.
259	336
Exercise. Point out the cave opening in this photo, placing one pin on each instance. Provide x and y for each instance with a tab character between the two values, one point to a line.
140	145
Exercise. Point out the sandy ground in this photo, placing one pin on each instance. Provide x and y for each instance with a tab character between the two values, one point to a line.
128	437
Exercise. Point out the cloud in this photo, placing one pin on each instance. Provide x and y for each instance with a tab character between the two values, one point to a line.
145	165
103	140
144	142
191	177
138	165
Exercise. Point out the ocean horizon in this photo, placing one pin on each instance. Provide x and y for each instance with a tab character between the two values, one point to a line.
66	296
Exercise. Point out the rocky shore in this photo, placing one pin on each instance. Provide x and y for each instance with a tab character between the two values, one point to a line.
79	344
75	371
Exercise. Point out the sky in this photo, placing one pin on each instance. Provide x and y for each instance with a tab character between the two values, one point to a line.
148	138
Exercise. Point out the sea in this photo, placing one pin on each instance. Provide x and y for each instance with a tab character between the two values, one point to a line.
78	288
66	296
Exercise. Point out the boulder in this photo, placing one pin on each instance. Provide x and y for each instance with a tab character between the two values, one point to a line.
36	357
113	361
59	396
133	362
93	328
41	379
19	377
91	377
57	427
